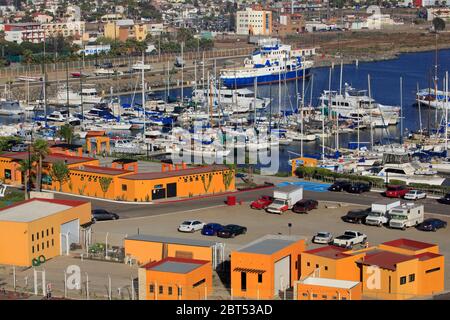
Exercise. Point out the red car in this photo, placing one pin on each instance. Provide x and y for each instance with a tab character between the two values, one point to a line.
396	191
262	203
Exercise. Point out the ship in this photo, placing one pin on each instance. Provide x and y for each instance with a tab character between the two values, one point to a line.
271	62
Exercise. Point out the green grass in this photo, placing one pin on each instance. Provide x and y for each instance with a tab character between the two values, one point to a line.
11	198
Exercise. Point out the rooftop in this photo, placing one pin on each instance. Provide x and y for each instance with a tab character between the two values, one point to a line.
331	252
385	259
102	170
408	244
51	158
175	173
190	242
288	188
325	282
175	265
36	208
269	244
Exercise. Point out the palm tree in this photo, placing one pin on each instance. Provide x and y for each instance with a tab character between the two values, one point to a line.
60	172
40	150
25	168
66	133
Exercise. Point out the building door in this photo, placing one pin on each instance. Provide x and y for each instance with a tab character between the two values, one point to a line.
70	233
243	281
282	275
158	194
171	190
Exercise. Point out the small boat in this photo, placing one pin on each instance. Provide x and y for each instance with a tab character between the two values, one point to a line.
10	108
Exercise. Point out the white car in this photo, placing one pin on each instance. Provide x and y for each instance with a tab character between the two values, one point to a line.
415	195
191	226
323	238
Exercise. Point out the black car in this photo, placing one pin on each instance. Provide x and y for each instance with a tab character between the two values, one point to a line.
340	186
356	216
305	205
359	187
432	224
102	214
445	199
231	230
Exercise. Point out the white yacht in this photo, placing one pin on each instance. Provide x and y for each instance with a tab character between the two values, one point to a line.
10	108
88	96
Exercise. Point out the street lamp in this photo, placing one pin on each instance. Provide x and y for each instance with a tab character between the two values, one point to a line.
289	226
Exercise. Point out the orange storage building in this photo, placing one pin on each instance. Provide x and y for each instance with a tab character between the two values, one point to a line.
40	229
265	267
148	248
313	288
175	279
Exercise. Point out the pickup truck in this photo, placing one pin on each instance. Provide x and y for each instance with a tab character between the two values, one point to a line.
349	239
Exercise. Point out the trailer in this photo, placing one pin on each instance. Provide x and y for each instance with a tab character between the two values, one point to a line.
406	215
285	198
379	213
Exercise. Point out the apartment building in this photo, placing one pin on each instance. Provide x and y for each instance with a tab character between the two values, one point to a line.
73	29
254	22
125	29
20	32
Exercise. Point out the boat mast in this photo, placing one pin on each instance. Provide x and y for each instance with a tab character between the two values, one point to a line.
401	110
255	88
301	111
67	89
340	77
143	93
446	113
168	82
182	72
370	109
420	111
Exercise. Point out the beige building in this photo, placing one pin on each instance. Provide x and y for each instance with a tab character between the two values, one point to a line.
125	29
254	22
73	29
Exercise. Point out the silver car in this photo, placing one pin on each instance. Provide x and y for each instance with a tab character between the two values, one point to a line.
415	195
323	238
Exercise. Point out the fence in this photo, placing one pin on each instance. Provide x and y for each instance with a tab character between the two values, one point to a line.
15	71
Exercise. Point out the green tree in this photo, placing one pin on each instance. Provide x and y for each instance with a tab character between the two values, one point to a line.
27	57
40	150
60	172
438	24
105	182
66	133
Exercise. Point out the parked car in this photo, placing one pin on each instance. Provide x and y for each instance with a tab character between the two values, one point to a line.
350	238
445	199
19	147
191	226
357	216
305	205
211	229
231	231
341	185
432	224
396	191
415	195
359	187
323	238
262	203
102	214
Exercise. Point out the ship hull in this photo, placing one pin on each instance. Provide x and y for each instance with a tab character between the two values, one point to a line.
239	82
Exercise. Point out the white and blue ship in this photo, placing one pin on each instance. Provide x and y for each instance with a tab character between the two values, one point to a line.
272	62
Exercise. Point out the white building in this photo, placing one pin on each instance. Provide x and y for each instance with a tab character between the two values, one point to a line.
94	49
66	29
254	22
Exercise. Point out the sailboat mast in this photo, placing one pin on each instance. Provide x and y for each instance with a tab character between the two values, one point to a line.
143	94
301	112
446	113
182	72
340	77
67	89
420	111
401	110
255	88
370	109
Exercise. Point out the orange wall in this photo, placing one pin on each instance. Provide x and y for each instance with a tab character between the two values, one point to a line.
183	281
265	289
433	249
341	269
314	292
16	240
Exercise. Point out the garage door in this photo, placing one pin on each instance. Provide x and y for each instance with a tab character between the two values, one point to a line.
72	229
282	274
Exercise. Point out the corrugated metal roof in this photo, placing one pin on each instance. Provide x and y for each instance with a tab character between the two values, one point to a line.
152	238
175	267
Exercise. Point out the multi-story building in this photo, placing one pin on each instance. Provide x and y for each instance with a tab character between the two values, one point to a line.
254	22
125	29
73	29
289	23
20	32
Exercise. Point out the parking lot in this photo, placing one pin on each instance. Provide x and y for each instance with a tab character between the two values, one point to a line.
260	223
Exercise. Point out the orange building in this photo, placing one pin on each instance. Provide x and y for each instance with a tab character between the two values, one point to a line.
97	142
40	229
313	288
175	279
302	161
67	149
147	248
265	267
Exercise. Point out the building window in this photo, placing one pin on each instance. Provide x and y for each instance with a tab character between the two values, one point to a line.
432	270
7	174
243	281
43	246
326	268
53	242
317	266
47	232
180	291
32	237
412	277
37	235
308	264
260	277
314	295
161	290
198	283
344	298
402	280
124	187
324	296
42	233
305	294
32	249
169	291
37	247
152	288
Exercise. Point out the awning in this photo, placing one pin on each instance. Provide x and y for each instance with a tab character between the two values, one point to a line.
249	270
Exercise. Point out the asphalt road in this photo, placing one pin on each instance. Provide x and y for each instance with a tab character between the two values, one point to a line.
129	210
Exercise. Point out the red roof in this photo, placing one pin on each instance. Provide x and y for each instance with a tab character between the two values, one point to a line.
408	244
102	170
427	256
51	158
331	252
70	203
385	259
175	173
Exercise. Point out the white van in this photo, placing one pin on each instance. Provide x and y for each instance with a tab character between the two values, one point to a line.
406	215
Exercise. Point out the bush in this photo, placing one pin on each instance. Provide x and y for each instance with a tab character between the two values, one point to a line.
397	182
